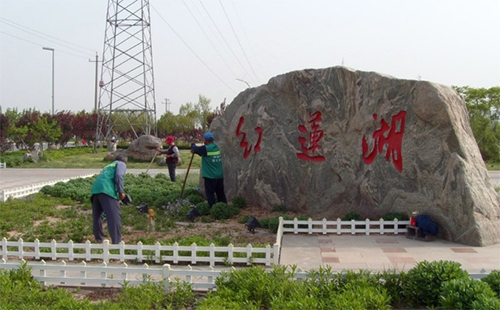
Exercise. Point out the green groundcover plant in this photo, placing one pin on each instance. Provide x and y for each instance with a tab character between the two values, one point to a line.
262	289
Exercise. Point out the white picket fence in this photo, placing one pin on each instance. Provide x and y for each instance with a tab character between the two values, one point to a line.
104	275
193	254
34	188
139	252
338	227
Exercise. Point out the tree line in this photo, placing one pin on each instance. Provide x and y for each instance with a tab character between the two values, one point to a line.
28	127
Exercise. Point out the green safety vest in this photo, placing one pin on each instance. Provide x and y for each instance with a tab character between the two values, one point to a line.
105	182
211	165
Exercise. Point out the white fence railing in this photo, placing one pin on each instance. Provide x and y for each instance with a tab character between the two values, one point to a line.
35	188
105	275
139	252
192	254
3	165
338	227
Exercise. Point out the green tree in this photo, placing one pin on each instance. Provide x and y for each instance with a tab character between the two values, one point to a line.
483	105
203	109
45	130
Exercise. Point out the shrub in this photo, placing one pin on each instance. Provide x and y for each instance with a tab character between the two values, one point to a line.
279	208
461	293
493	280
349	216
239	202
424	281
195	198
395	215
220	211
203	208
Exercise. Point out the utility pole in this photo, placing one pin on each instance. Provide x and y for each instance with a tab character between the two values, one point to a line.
167	104
96	74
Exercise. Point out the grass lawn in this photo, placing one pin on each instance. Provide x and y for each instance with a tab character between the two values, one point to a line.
96	161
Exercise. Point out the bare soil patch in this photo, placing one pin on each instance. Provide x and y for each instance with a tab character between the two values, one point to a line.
227	228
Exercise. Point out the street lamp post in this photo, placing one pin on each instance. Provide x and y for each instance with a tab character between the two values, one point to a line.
52	50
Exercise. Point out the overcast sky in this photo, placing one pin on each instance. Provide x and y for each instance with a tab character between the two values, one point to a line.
451	42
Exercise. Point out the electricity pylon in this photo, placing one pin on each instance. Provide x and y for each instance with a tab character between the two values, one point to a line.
127	95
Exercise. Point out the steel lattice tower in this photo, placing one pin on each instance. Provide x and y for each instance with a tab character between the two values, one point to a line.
127	96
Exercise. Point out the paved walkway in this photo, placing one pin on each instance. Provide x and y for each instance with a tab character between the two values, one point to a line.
374	252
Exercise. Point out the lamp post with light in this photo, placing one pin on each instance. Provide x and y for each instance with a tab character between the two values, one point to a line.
52	50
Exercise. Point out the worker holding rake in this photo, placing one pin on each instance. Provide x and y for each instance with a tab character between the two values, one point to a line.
211	168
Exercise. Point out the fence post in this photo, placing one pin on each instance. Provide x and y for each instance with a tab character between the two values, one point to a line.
353	227
53	247
20	248
367	227
88	257
324	226
139	251
104	273
230	254
309	226
37	249
43	272
381	226
105	251
122	251
193	253
4	248
212	254
62	272
157	252
176	253
268	255
249	254
124	274
295	226
276	257
339	226
396	226
70	250
166	276
83	272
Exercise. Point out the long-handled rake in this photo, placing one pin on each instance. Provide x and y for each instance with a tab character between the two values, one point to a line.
185	178
152	160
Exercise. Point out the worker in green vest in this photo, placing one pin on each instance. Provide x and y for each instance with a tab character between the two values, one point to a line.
106	192
211	168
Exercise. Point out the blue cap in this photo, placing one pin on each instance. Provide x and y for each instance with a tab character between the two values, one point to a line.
208	136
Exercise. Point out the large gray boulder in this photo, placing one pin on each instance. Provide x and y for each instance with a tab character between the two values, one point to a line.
144	148
331	141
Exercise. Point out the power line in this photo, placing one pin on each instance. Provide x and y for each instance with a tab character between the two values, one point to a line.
196	20
44	36
187	45
223	38
237	39
40	45
246	37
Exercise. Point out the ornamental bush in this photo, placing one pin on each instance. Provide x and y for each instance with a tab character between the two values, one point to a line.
493	280
462	293
423	282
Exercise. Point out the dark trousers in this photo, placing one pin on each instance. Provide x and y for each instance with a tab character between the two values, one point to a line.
104	203
171	170
214	187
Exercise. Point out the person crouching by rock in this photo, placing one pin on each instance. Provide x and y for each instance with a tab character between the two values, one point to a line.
106	190
211	168
172	157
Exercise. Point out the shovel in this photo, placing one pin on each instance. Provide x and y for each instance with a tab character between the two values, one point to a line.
185	178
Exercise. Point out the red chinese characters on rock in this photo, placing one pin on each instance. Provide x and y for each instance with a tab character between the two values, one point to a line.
390	136
310	146
243	143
